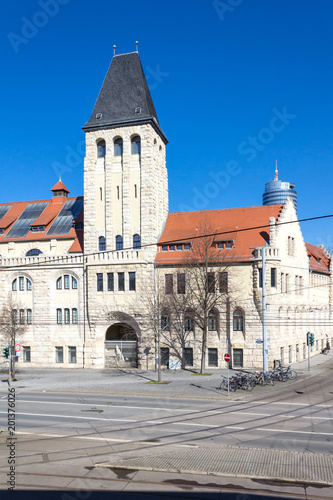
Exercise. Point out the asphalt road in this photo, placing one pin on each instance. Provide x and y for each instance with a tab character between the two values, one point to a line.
61	437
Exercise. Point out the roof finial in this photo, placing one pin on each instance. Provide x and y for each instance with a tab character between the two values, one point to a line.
137	46
114	50
276	171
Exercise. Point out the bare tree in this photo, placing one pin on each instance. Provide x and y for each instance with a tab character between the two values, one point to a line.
206	268
12	328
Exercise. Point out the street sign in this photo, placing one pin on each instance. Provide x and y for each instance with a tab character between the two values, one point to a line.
227	357
17	347
259	341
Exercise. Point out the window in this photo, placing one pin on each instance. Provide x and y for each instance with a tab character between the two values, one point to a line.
165	323
238	358
169	283
165	356
171	248
15	318
21	282
119	242
211	282
59	316
74	283
71	354
164	248
67	317
212	357
14	285
136	145
26	354
121	282
136	241
100	282
187	246
101	148
287	283
66	282
283	282
181	283
238	321
22	317
188	356
188	322
110	282
260	277
118	147
179	248
212	321
74	316
29	285
29	316
101	244
59	283
273	277
223	282
59	354
34	252
131	281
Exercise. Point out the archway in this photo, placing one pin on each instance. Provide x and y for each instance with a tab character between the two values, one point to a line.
121	346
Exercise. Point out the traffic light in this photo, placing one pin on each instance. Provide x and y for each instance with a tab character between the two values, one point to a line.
311	338
5	352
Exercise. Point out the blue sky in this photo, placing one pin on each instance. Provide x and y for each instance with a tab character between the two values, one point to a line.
237	85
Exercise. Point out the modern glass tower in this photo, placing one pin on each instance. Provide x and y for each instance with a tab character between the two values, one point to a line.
277	191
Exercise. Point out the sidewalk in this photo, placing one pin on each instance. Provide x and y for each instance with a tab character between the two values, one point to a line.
177	383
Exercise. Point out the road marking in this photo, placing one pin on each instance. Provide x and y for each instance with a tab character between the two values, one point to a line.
314	433
240	412
71	416
319	418
198	425
234	427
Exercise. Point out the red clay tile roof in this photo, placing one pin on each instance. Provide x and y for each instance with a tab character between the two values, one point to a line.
182	226
318	260
60	186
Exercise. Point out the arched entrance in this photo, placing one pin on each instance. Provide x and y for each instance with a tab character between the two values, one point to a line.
121	346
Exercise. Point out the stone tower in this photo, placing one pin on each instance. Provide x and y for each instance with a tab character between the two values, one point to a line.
125	177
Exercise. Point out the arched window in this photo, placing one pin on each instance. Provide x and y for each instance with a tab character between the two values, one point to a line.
14	285
59	283
118	147
136	241
101	244
136	145
119	242
101	148
33	252
24	284
212	321
66	282
238	321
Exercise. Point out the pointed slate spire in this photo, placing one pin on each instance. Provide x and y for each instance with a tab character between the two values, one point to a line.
124	98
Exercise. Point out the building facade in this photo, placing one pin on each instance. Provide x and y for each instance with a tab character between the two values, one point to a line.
88	277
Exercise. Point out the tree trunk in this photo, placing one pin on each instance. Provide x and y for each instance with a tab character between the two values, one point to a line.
203	347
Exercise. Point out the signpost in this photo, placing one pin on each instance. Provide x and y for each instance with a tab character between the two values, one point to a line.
17	347
227	360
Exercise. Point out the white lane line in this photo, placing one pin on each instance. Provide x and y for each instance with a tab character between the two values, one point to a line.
197	425
240	412
320	418
233	427
314	433
71	416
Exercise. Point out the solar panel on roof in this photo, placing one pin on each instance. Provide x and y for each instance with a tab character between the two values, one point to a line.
64	221
22	226
4	210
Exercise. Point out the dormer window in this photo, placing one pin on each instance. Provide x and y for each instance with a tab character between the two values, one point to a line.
221	245
101	148
37	229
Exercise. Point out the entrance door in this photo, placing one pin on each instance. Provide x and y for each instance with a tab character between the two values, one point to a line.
238	358
121	347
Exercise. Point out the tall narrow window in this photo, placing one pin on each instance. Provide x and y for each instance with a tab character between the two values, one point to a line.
74	283
211	282
22	317
15	318
72	354
59	351
14	285
100	282
59	283
181	283
26	354
59	316
66	282
169	283
74	316
67	317
131	281
273	277
188	322
119	242
21	282
212	321
135	191
238	321
101	194
121	282
165	323
223	282
29	316
136	145
101	244
110	282
101	149
188	356
118	193
29	285
260	277
118	147
136	241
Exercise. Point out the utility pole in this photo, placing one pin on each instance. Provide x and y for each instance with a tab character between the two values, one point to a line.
264	312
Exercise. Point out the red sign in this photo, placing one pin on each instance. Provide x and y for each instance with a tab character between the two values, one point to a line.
227	357
17	347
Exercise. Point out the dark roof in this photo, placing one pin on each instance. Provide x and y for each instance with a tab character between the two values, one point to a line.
124	98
